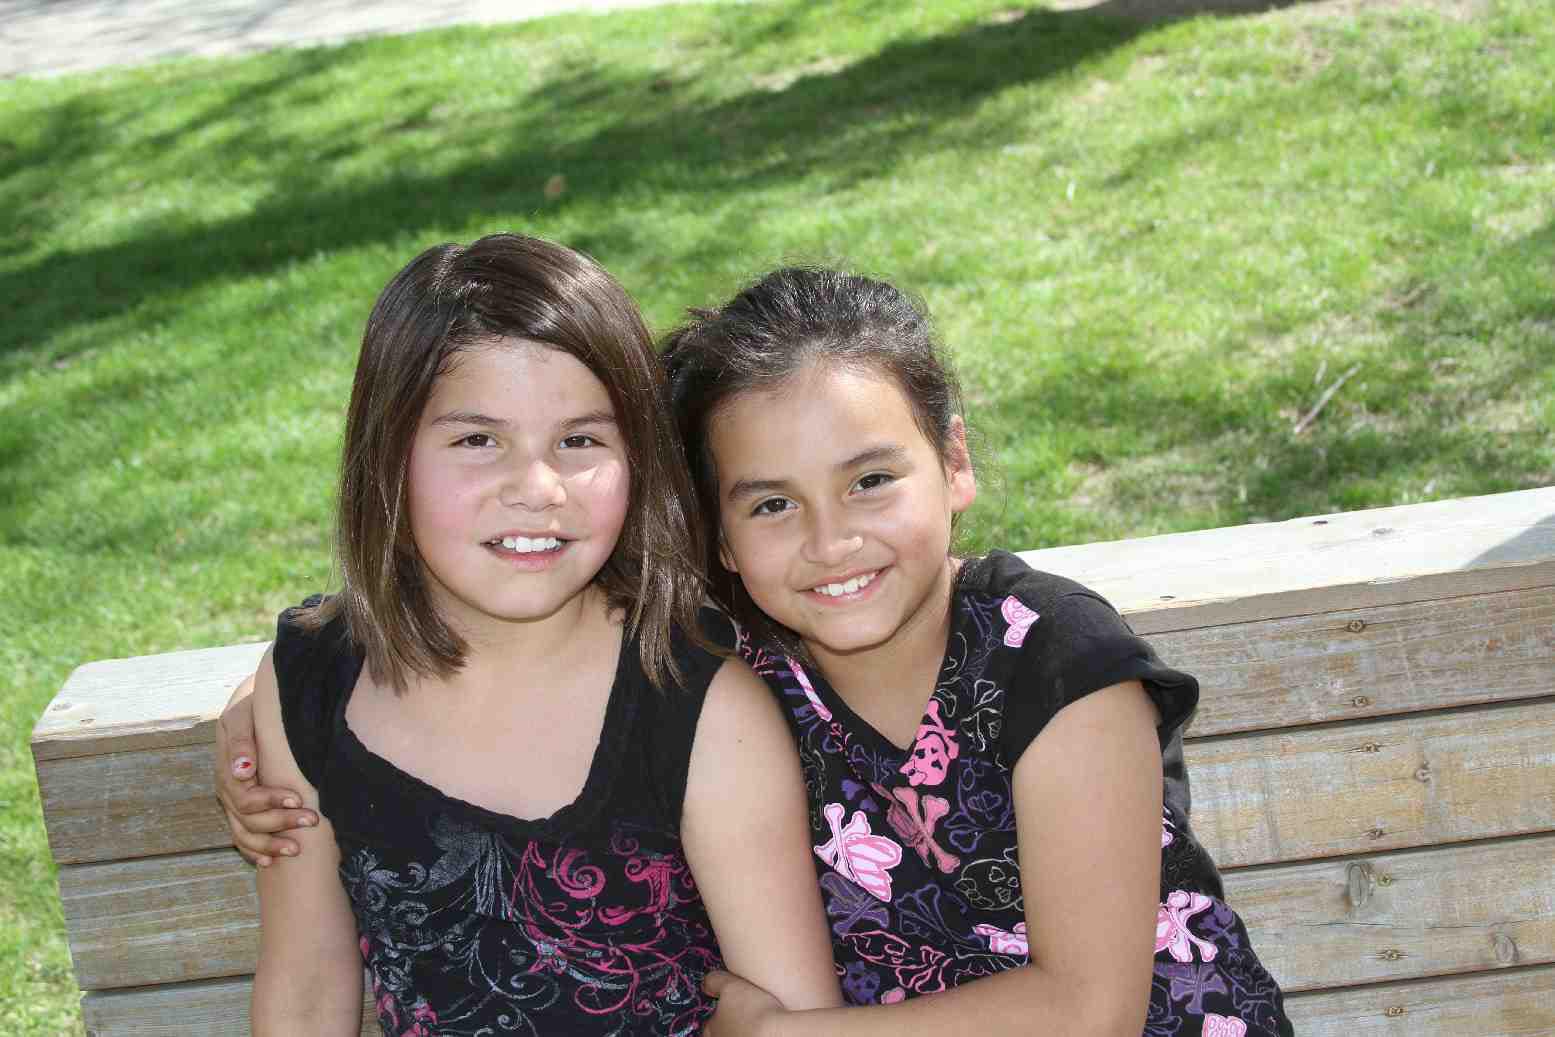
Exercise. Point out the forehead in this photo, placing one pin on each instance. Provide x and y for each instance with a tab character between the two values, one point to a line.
512	377
820	415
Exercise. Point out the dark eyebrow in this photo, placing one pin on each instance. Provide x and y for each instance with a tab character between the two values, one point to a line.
593	417
464	417
874	455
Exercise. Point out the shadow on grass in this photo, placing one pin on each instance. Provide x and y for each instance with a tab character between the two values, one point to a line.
656	137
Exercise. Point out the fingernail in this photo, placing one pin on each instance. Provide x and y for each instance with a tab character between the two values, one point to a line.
290	851
242	766
308	819
264	862
291	802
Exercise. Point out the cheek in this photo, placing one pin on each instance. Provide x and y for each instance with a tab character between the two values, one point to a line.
442	501
608	490
760	557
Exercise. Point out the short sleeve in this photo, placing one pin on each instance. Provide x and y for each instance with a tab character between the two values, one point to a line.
315	670
1078	644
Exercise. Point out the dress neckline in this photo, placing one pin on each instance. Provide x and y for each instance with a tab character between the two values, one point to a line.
821	690
620	712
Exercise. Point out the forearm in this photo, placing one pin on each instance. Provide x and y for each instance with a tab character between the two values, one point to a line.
320	1004
1018	1002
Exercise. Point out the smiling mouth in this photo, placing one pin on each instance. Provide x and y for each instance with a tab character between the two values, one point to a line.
852	585
526	545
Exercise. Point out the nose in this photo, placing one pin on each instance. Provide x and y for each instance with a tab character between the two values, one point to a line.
830	542
534	485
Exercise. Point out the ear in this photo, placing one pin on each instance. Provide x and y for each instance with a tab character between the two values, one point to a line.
725	555
958	468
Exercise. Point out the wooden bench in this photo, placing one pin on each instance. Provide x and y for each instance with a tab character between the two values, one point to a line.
1373	766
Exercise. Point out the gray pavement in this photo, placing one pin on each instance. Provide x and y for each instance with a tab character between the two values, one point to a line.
54	37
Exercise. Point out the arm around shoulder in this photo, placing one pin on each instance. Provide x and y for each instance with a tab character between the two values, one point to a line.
747	839
309	978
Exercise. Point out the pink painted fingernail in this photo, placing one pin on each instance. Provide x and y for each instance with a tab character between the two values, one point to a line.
242	766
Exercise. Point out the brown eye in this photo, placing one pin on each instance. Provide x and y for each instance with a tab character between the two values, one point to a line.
873	481
772	506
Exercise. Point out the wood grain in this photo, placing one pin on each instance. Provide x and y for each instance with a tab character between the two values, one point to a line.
1401	915
149	702
1475	773
1422	913
183	1010
161	919
132	804
1305	566
1514	1003
1359	663
1518	1003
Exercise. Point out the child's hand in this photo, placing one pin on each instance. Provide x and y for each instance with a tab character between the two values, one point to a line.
743	1007
253	812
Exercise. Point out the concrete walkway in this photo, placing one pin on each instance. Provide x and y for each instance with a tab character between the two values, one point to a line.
53	37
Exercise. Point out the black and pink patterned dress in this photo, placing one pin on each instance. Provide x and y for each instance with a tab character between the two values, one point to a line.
916	848
474	922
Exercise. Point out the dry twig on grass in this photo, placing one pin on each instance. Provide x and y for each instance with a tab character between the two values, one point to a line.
1322	401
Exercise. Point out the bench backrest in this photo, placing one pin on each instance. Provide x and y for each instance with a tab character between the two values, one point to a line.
1373	766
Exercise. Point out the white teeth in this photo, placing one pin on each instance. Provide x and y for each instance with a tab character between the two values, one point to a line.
528	545
853	586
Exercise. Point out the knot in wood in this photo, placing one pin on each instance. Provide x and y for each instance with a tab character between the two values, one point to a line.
1358	883
1381	531
1355	626
1361	700
1394	1011
1506	948
1376	833
1390	954
1384	880
1423	772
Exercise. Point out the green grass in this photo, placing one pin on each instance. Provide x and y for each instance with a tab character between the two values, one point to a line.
1149	246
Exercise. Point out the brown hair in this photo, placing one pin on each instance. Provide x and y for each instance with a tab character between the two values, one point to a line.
449	298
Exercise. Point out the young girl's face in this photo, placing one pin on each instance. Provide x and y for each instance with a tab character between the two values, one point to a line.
518	484
836	510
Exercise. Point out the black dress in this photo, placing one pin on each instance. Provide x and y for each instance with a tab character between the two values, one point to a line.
475	922
916	848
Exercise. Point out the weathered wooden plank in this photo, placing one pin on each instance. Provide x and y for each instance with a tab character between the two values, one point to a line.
1421	913
1512	1003
1360	663
1474	773
1258	798
1402	915
132	804
1358	559
1518	1003
161	919
183	1010
148	702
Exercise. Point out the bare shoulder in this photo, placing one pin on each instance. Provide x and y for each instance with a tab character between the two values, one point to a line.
738	710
